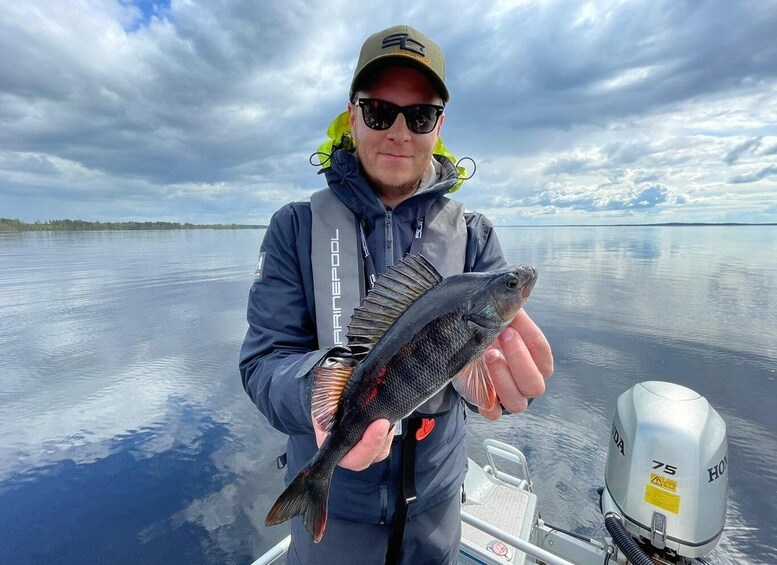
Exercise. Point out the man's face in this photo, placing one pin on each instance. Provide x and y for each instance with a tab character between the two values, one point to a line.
394	160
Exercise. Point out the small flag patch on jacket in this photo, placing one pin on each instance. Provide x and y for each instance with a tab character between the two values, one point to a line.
259	267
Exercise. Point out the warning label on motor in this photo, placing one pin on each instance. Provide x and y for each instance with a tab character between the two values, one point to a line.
662	498
663	482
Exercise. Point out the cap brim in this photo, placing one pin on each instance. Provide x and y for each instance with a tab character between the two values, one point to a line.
393	60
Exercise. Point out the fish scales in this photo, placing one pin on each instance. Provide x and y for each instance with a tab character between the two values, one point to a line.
417	371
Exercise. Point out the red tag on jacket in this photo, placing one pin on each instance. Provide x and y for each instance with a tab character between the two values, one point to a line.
427	425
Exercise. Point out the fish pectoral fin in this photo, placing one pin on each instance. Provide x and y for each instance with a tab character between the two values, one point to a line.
328	386
475	384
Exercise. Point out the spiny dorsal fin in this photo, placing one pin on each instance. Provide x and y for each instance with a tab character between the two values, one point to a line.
328	386
394	291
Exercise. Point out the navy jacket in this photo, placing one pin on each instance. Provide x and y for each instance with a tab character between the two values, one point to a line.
281	344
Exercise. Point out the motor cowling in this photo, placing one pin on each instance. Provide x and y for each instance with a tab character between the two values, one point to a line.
667	468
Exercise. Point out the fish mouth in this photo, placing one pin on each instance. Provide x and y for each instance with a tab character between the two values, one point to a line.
526	279
529	286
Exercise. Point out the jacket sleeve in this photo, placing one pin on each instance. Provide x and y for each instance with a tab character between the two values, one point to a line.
484	253
280	346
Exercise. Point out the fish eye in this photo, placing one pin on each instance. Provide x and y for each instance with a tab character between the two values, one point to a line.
512	283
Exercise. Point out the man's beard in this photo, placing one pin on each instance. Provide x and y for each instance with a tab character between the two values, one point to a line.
387	190
393	191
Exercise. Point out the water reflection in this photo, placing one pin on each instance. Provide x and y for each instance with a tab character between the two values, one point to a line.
689	305
120	399
125	434
700	284
63	505
568	428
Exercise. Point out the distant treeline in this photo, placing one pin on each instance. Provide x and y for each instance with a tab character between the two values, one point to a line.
7	224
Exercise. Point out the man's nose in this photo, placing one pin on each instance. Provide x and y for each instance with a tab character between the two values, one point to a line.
399	130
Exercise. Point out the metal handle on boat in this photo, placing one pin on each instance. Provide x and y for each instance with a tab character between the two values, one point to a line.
494	448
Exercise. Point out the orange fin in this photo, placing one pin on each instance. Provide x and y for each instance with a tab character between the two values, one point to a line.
328	386
307	496
475	384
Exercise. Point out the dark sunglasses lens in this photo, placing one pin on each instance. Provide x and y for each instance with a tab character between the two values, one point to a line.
379	115
421	119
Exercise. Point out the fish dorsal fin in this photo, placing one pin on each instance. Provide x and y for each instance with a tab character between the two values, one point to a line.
328	386
475	384
394	291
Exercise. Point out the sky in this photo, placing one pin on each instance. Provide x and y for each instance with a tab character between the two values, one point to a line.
207	112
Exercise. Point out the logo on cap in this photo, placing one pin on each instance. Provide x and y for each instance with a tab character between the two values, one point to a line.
402	40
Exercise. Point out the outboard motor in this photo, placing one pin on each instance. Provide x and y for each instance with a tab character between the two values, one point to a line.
666	479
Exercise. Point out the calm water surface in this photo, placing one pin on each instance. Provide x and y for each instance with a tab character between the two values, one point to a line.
126	437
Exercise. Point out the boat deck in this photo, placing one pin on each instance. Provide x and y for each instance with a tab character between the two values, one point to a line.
505	503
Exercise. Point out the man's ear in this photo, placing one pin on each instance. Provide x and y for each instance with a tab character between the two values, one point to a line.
351	115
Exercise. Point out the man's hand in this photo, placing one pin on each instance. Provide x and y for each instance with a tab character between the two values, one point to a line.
519	362
374	445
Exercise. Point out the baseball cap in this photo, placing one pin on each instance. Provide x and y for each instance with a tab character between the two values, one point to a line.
401	45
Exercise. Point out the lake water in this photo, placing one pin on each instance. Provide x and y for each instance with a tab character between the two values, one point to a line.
126	437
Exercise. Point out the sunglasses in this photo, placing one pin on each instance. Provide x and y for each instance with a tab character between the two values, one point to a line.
380	115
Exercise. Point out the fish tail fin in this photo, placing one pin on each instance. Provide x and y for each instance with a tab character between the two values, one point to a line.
307	496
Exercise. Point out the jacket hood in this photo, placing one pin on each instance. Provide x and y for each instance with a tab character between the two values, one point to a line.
346	179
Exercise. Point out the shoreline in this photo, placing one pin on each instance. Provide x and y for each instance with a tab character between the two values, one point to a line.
8	225
14	226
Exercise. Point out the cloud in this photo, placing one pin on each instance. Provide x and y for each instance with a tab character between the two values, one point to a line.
755	176
750	145
205	111
592	201
181	100
27	163
570	63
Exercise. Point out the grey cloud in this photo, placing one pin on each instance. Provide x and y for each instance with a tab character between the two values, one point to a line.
26	163
749	145
190	98
641	158
613	154
594	201
567	165
212	108
559	70
645	176
625	153
754	176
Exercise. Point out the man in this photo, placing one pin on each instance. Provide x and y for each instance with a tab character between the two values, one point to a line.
387	178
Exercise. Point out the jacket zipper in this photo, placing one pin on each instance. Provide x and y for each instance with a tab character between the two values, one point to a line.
383	503
384	489
389	261
389	238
